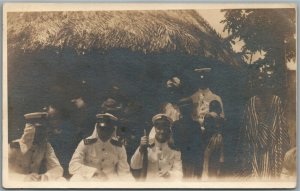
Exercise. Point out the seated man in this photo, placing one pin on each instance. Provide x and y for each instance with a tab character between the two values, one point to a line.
100	157
32	153
162	162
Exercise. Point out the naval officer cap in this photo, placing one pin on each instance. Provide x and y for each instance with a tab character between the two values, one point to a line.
162	120
36	117
202	70
104	119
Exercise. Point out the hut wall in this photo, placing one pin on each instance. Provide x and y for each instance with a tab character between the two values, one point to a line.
37	79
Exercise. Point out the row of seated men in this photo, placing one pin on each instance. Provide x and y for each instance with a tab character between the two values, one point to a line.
98	157
102	156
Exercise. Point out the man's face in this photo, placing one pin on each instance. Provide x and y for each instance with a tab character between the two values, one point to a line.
173	82
202	80
52	111
198	80
104	131
162	133
265	84
266	75
215	106
53	115
78	102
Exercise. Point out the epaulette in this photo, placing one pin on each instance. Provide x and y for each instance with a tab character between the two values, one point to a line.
89	141
15	145
116	142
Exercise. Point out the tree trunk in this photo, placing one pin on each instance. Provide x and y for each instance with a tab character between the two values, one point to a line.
280	70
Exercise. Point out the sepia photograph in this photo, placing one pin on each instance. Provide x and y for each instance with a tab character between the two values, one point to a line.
160	95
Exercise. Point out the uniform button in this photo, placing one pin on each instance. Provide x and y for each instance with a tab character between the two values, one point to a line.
103	160
103	149
101	169
159	169
160	149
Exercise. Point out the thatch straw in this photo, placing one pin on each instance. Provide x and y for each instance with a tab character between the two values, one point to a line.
183	31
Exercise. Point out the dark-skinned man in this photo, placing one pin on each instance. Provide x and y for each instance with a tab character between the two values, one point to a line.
30	155
100	157
164	162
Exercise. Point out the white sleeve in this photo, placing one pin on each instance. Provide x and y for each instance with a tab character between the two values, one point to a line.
77	166
137	160
122	166
54	169
176	171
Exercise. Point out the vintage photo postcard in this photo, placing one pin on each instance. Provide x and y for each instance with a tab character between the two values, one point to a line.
149	95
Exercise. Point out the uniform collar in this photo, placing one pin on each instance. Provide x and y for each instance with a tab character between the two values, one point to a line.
100	141
161	146
95	134
205	91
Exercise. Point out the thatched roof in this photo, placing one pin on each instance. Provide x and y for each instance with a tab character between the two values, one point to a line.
183	31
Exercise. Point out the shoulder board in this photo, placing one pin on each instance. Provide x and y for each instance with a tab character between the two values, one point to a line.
174	147
116	142
151	145
89	141
15	145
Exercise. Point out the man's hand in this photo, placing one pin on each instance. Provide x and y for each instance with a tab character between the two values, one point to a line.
143	143
44	177
100	175
33	177
164	174
213	114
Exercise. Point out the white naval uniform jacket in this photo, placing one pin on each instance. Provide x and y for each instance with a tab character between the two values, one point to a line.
160	158
23	164
203	98
108	159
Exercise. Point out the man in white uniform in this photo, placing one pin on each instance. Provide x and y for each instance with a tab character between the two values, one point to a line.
100	157
31	153
164	162
203	96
